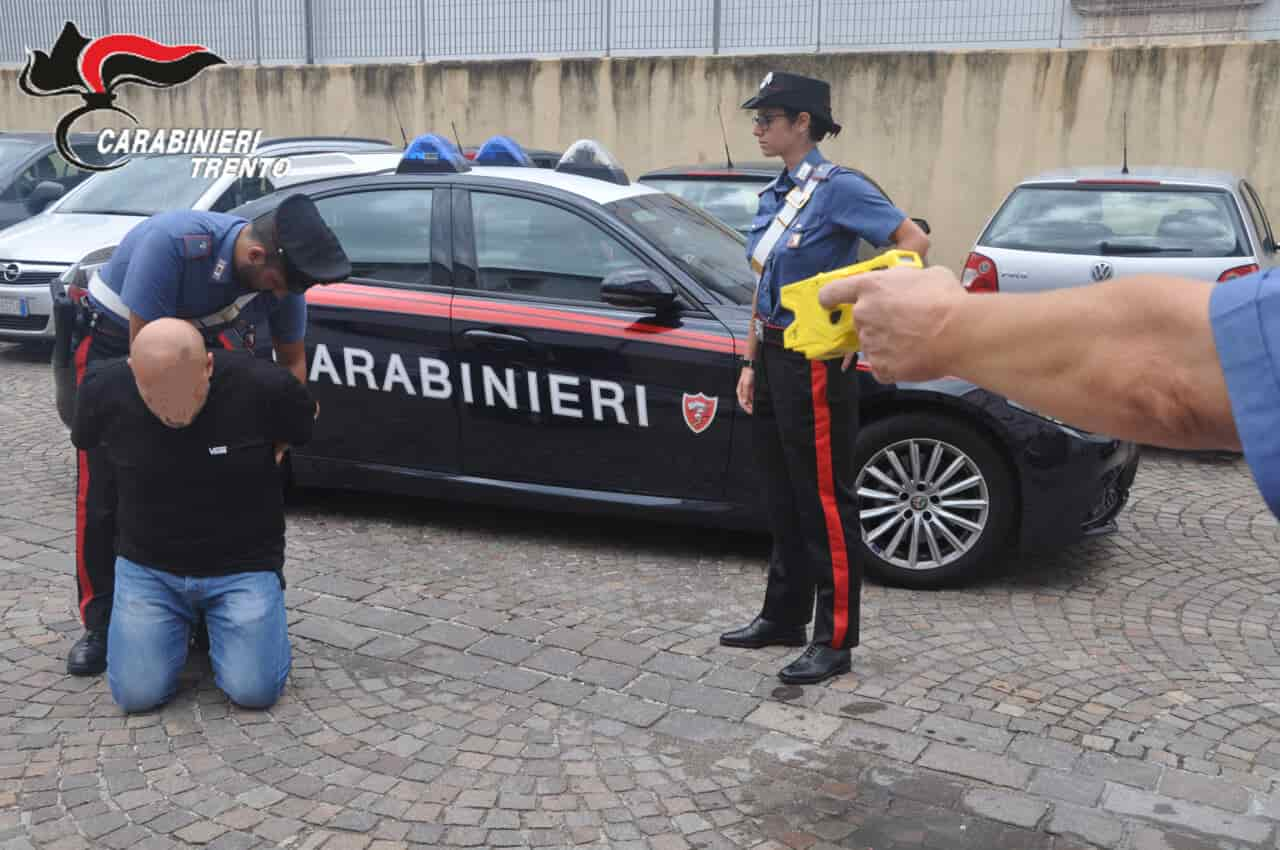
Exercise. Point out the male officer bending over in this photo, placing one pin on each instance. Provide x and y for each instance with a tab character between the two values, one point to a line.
230	277
190	433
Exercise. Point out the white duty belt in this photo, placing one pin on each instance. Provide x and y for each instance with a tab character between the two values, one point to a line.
108	298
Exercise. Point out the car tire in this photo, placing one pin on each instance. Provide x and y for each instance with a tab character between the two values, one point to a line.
973	529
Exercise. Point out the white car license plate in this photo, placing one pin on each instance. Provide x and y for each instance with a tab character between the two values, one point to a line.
13	307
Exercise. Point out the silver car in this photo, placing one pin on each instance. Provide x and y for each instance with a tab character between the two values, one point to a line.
1072	227
98	213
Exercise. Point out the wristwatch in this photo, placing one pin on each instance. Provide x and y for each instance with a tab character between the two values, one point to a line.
748	363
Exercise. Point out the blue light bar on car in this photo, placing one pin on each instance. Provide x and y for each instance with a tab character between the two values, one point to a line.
432	154
503	150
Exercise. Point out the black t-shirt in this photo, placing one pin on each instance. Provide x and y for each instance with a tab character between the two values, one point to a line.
207	499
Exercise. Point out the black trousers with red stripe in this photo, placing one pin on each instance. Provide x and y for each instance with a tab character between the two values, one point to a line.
96	500
805	420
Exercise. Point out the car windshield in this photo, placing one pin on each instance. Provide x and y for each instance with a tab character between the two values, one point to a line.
703	247
13	151
1112	220
732	201
143	186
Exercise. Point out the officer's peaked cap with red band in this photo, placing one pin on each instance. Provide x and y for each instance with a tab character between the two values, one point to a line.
311	251
792	91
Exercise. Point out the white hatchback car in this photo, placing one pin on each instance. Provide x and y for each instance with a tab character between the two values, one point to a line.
101	210
1073	227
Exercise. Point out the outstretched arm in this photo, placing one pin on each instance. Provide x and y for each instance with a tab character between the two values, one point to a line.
1134	358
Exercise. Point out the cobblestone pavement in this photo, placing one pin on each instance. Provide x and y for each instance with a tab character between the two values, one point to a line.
479	678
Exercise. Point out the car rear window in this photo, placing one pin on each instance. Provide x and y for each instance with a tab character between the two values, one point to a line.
732	201
1112	220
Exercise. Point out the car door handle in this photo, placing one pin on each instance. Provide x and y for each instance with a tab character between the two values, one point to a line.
493	336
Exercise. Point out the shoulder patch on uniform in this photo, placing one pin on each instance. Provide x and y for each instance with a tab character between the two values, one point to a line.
196	246
823	171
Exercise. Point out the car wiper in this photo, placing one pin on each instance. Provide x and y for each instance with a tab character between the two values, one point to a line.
136	213
1108	248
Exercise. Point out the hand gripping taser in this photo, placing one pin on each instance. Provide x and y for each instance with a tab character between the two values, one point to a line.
822	334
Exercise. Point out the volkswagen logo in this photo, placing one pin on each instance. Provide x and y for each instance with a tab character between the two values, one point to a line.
1102	271
12	272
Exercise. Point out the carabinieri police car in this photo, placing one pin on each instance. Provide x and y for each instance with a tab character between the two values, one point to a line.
568	339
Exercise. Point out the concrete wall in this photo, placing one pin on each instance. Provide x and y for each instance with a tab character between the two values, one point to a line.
946	134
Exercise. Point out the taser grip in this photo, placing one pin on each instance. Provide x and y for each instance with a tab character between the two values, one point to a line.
821	334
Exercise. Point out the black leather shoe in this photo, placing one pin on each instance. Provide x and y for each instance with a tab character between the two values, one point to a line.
89	655
762	632
818	663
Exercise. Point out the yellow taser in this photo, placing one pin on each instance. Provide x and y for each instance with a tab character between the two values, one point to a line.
821	334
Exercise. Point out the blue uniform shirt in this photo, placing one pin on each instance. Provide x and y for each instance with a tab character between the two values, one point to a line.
181	264
1245	314
823	236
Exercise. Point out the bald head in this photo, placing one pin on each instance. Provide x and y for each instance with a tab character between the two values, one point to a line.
172	370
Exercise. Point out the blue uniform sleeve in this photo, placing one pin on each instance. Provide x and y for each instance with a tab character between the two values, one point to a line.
150	286
288	319
1245	314
859	207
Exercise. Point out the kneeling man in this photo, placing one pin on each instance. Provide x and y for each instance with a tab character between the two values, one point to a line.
201	511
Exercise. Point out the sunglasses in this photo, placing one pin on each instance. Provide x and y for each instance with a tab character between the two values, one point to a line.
764	121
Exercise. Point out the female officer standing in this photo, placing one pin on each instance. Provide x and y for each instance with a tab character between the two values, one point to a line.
806	413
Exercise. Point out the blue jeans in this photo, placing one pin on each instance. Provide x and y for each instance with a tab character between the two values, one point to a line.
152	614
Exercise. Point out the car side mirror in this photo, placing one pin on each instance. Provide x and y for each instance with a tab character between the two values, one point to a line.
45	193
637	288
923	224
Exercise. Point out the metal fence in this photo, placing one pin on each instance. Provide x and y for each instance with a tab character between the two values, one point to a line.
274	32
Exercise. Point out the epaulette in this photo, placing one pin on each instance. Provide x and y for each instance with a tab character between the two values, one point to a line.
824	171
